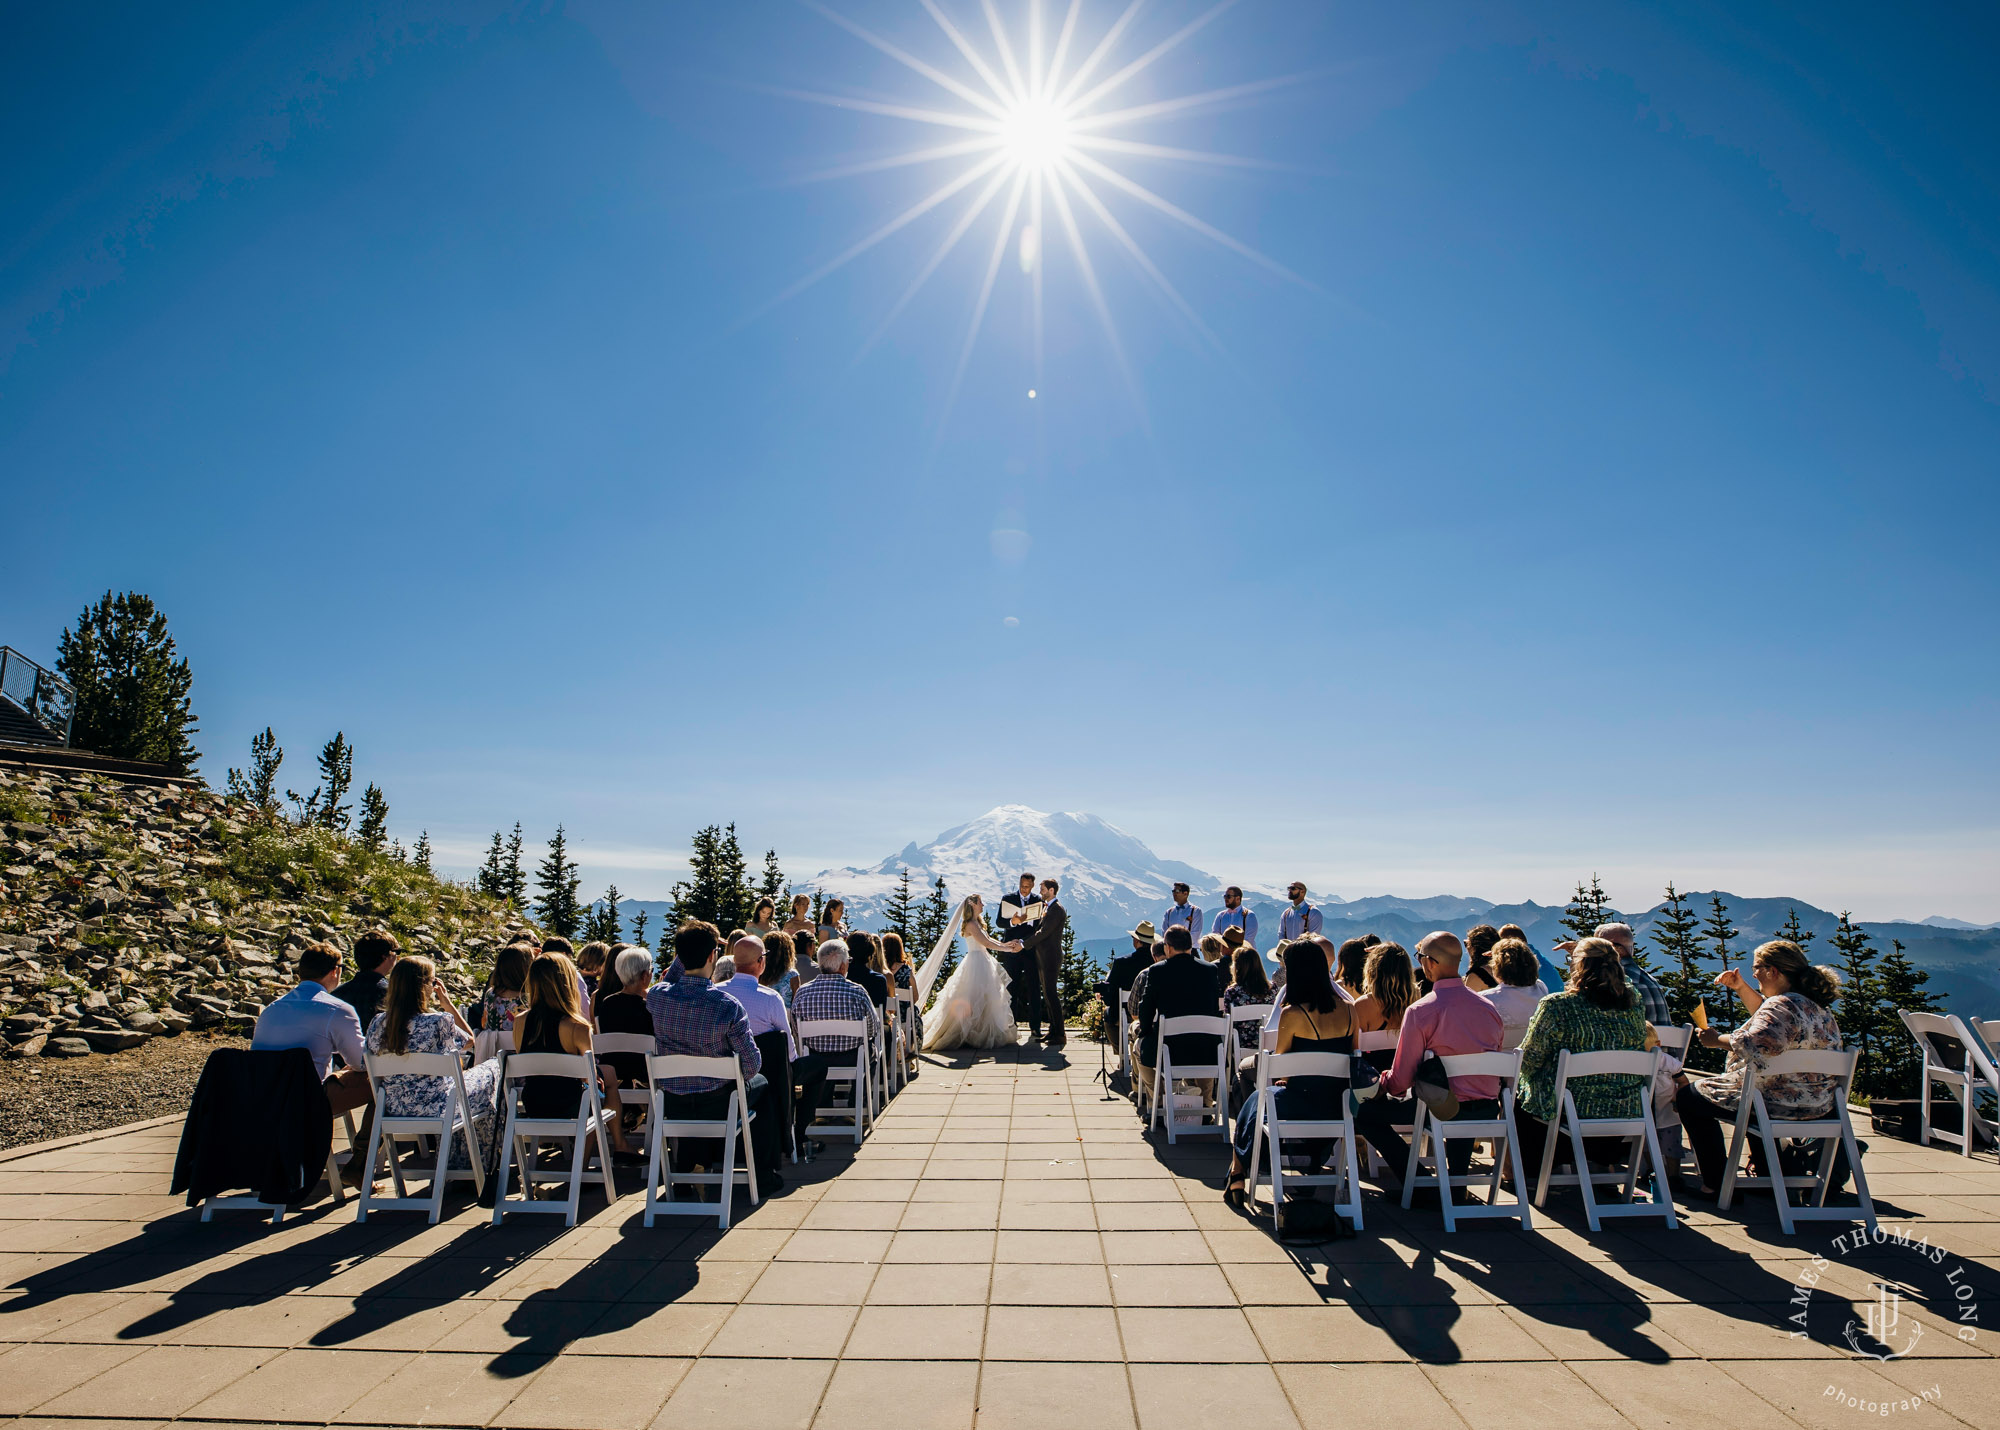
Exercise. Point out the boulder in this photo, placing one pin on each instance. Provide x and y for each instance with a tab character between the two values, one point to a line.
149	1023
29	1047
66	1048
113	1040
18	1025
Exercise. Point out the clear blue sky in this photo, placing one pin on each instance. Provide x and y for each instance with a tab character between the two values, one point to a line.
1617	491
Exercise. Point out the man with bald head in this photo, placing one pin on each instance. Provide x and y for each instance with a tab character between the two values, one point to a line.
771	1029
1449	1020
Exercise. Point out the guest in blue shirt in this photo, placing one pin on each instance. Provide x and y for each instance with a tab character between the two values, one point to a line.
310	1017
1301	918
1234	915
1183	915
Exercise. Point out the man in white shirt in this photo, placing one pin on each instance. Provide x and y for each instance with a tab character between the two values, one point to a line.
1183	915
771	1027
310	1017
1299	919
1235	916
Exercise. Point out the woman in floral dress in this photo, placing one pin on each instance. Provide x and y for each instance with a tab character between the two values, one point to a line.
408	1024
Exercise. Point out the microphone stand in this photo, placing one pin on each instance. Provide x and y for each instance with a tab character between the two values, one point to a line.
1103	1073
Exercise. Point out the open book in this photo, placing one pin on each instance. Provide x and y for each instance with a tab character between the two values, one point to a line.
1031	913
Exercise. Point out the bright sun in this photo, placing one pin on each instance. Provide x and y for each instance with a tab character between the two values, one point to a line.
1035	134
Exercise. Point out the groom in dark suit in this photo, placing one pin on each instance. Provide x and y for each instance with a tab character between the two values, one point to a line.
1046	944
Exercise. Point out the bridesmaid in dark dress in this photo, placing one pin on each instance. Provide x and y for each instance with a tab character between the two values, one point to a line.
1315	1019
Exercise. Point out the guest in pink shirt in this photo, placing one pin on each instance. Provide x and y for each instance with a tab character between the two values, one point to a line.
1451	1019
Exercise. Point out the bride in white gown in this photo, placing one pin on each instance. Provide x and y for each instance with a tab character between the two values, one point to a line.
974	1009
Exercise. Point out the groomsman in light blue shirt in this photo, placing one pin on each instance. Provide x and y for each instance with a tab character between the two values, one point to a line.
1301	918
1182	915
1235	916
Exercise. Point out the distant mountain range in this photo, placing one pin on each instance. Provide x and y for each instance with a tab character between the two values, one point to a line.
1111	881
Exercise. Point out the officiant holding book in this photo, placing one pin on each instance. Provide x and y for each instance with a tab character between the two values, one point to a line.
1020	917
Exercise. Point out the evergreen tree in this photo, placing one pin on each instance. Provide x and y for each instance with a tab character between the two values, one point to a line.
1794	931
901	914
514	873
1590	907
819	907
398	853
492	876
323	806
557	878
707	894
259	788
603	924
734	896
421	856
933	916
639	927
1077	978
1860	1007
1718	930
131	685
773	887
374	826
1674	931
1901	985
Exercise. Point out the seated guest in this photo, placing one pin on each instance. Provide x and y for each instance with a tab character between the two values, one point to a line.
590	961
1179	986
1248	984
864	952
1215	953
621	1008
771	1028
1479	941
1312	1019
1597	1012
1389	987
1513	931
1350	969
1125	968
897	960
1450	1019
1790	1008
410	1023
506	989
374	955
694	1018
1519	990
552	1022
831	997
1652	997
805	960
778	974
311	1017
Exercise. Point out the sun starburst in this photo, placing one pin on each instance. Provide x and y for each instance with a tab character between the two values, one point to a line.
1038	125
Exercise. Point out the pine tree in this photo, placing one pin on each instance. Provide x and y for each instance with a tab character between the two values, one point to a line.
1718	930
399	853
420	857
259	788
1794	931
639	927
707	894
932	918
130	686
557	878
1860	1007
1590	907
733	895
819	907
900	917
1901	985
492	876
602	923
773	887
323	806
1674	931
1077	978
374	826
514	873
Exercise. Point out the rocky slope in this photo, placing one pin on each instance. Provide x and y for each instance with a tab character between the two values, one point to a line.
130	912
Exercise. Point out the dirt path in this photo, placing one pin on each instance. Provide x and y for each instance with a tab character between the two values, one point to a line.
45	1098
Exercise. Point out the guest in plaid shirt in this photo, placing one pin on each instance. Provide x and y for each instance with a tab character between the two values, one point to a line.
1652	997
829	996
695	1018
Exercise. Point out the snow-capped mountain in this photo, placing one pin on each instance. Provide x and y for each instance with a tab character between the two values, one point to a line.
1110	881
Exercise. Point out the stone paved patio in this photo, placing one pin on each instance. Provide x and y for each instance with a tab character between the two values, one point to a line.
1007	1252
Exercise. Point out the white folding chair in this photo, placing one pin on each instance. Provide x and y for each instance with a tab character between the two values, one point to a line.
1638	1133
521	1142
453	1120
1125	1031
858	1115
640	1043
1831	1132
732	1130
488	1045
879	1083
906	1023
1964	1083
1430	1142
1676	1038
335	1188
1273	1132
1207	1117
1383	1040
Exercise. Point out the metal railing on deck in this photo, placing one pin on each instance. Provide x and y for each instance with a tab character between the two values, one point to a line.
40	693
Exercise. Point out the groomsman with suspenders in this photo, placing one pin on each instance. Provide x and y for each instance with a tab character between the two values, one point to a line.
1301	918
1234	915
1183	915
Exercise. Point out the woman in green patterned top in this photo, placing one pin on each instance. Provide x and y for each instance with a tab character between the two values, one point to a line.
1597	1012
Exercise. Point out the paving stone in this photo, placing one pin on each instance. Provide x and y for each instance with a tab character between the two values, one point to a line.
1055	1395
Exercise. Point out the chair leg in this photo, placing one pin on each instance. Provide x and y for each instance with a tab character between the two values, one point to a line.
1352	1172
1548	1159
1415	1159
1662	1194
1726	1193
1583	1182
1441	1155
1860	1176
1775	1174
1520	1183
368	1177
